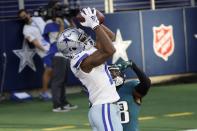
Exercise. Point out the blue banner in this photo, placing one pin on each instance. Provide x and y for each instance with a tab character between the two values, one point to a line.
164	47
23	67
191	27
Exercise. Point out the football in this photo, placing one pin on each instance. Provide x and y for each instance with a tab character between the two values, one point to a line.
99	15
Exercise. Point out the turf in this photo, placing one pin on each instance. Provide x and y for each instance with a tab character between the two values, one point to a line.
35	115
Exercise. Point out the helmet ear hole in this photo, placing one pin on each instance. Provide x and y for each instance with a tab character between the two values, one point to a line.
74	48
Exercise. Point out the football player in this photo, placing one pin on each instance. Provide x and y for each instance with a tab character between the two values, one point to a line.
131	93
87	62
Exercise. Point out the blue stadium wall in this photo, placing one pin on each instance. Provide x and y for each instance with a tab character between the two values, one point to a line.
143	31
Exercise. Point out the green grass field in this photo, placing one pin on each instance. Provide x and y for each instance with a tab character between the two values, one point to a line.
165	108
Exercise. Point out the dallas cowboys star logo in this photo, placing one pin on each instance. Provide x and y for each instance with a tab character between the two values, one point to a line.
26	57
121	47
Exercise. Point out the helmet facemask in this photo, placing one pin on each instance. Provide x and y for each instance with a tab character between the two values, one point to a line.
73	41
86	40
117	75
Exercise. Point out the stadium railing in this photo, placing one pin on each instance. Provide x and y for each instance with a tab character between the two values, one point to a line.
9	8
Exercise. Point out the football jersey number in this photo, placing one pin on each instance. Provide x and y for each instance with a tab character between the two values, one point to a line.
124	113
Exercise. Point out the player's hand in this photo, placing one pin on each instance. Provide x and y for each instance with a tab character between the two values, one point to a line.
90	17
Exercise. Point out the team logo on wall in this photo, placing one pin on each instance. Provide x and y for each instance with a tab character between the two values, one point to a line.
26	57
163	41
121	47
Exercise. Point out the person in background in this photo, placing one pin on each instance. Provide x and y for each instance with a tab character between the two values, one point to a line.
32	31
60	64
131	93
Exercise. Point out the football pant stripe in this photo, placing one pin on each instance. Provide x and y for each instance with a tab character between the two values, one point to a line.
109	117
106	117
103	117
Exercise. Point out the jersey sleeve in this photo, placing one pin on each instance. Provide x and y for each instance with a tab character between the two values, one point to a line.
50	32
29	34
40	23
76	61
134	83
51	27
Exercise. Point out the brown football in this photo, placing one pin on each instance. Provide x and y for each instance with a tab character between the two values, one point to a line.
99	15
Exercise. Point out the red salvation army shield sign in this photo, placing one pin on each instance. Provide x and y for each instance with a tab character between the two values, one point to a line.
163	41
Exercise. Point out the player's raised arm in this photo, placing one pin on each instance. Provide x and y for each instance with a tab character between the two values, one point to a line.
106	48
145	83
111	34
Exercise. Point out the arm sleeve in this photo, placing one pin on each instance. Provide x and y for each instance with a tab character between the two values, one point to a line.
145	83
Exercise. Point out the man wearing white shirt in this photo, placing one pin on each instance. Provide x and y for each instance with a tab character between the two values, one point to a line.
32	31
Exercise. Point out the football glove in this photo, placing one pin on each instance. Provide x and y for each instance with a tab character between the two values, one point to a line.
90	17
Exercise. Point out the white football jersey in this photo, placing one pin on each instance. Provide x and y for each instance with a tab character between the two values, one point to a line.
99	83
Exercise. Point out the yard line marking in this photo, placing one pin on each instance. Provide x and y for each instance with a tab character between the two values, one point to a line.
190	130
58	128
86	124
179	114
147	118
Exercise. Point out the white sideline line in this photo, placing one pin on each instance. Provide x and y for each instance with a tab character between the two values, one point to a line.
59	128
179	114
147	118
190	130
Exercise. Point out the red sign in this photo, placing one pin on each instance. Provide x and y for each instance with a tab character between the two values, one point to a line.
163	41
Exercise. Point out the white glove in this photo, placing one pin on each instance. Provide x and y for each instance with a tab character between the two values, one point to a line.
90	17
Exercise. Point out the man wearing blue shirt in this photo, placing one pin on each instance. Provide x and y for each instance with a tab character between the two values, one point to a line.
59	66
